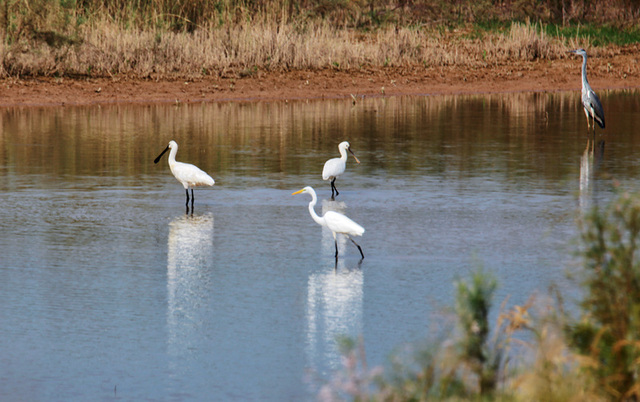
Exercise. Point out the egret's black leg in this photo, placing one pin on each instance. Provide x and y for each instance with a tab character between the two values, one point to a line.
192	200
187	191
336	243
359	248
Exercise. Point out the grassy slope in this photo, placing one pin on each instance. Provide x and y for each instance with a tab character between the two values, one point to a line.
195	39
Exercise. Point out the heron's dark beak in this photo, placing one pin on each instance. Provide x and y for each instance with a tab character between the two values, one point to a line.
160	156
354	155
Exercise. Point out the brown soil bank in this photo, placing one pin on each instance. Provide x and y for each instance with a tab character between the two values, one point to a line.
618	71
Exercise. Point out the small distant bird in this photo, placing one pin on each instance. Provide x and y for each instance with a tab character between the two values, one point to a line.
334	221
187	174
590	101
336	166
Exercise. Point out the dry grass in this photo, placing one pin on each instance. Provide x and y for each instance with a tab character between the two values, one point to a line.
549	369
106	49
195	38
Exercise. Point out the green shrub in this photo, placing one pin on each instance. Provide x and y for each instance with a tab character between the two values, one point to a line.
609	328
473	303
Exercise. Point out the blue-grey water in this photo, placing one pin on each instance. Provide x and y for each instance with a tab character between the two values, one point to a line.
110	291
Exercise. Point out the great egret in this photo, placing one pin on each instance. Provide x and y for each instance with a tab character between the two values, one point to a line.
590	101
334	221
336	166
188	175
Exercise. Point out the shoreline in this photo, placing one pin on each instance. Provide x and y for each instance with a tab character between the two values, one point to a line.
617	72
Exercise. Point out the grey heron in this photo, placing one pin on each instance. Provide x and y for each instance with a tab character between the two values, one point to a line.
590	101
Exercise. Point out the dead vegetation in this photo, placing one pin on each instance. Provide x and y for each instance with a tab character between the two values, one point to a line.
189	39
108	50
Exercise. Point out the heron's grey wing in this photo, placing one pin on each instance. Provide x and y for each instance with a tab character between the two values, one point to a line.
596	106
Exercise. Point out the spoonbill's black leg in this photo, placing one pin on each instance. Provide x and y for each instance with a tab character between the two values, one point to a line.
192	200
333	187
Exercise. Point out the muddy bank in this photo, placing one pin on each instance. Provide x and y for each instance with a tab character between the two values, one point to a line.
619	71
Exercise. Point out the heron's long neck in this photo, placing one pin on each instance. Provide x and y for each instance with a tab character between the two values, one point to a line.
584	71
319	220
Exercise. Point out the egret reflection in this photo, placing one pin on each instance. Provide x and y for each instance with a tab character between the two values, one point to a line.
190	252
334	309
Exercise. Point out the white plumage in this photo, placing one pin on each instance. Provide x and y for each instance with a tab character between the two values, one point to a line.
334	221
188	175
336	166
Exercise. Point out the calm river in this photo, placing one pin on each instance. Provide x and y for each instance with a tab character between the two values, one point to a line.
109	290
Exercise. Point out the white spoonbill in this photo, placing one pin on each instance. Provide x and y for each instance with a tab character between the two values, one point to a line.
336	166
188	175
334	221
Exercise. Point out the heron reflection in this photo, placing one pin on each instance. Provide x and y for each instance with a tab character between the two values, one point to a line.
589	162
190	253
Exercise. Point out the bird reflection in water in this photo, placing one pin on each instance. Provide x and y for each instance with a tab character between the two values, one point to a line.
190	254
589	162
334	309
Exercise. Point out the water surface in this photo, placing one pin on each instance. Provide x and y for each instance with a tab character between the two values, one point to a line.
110	290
